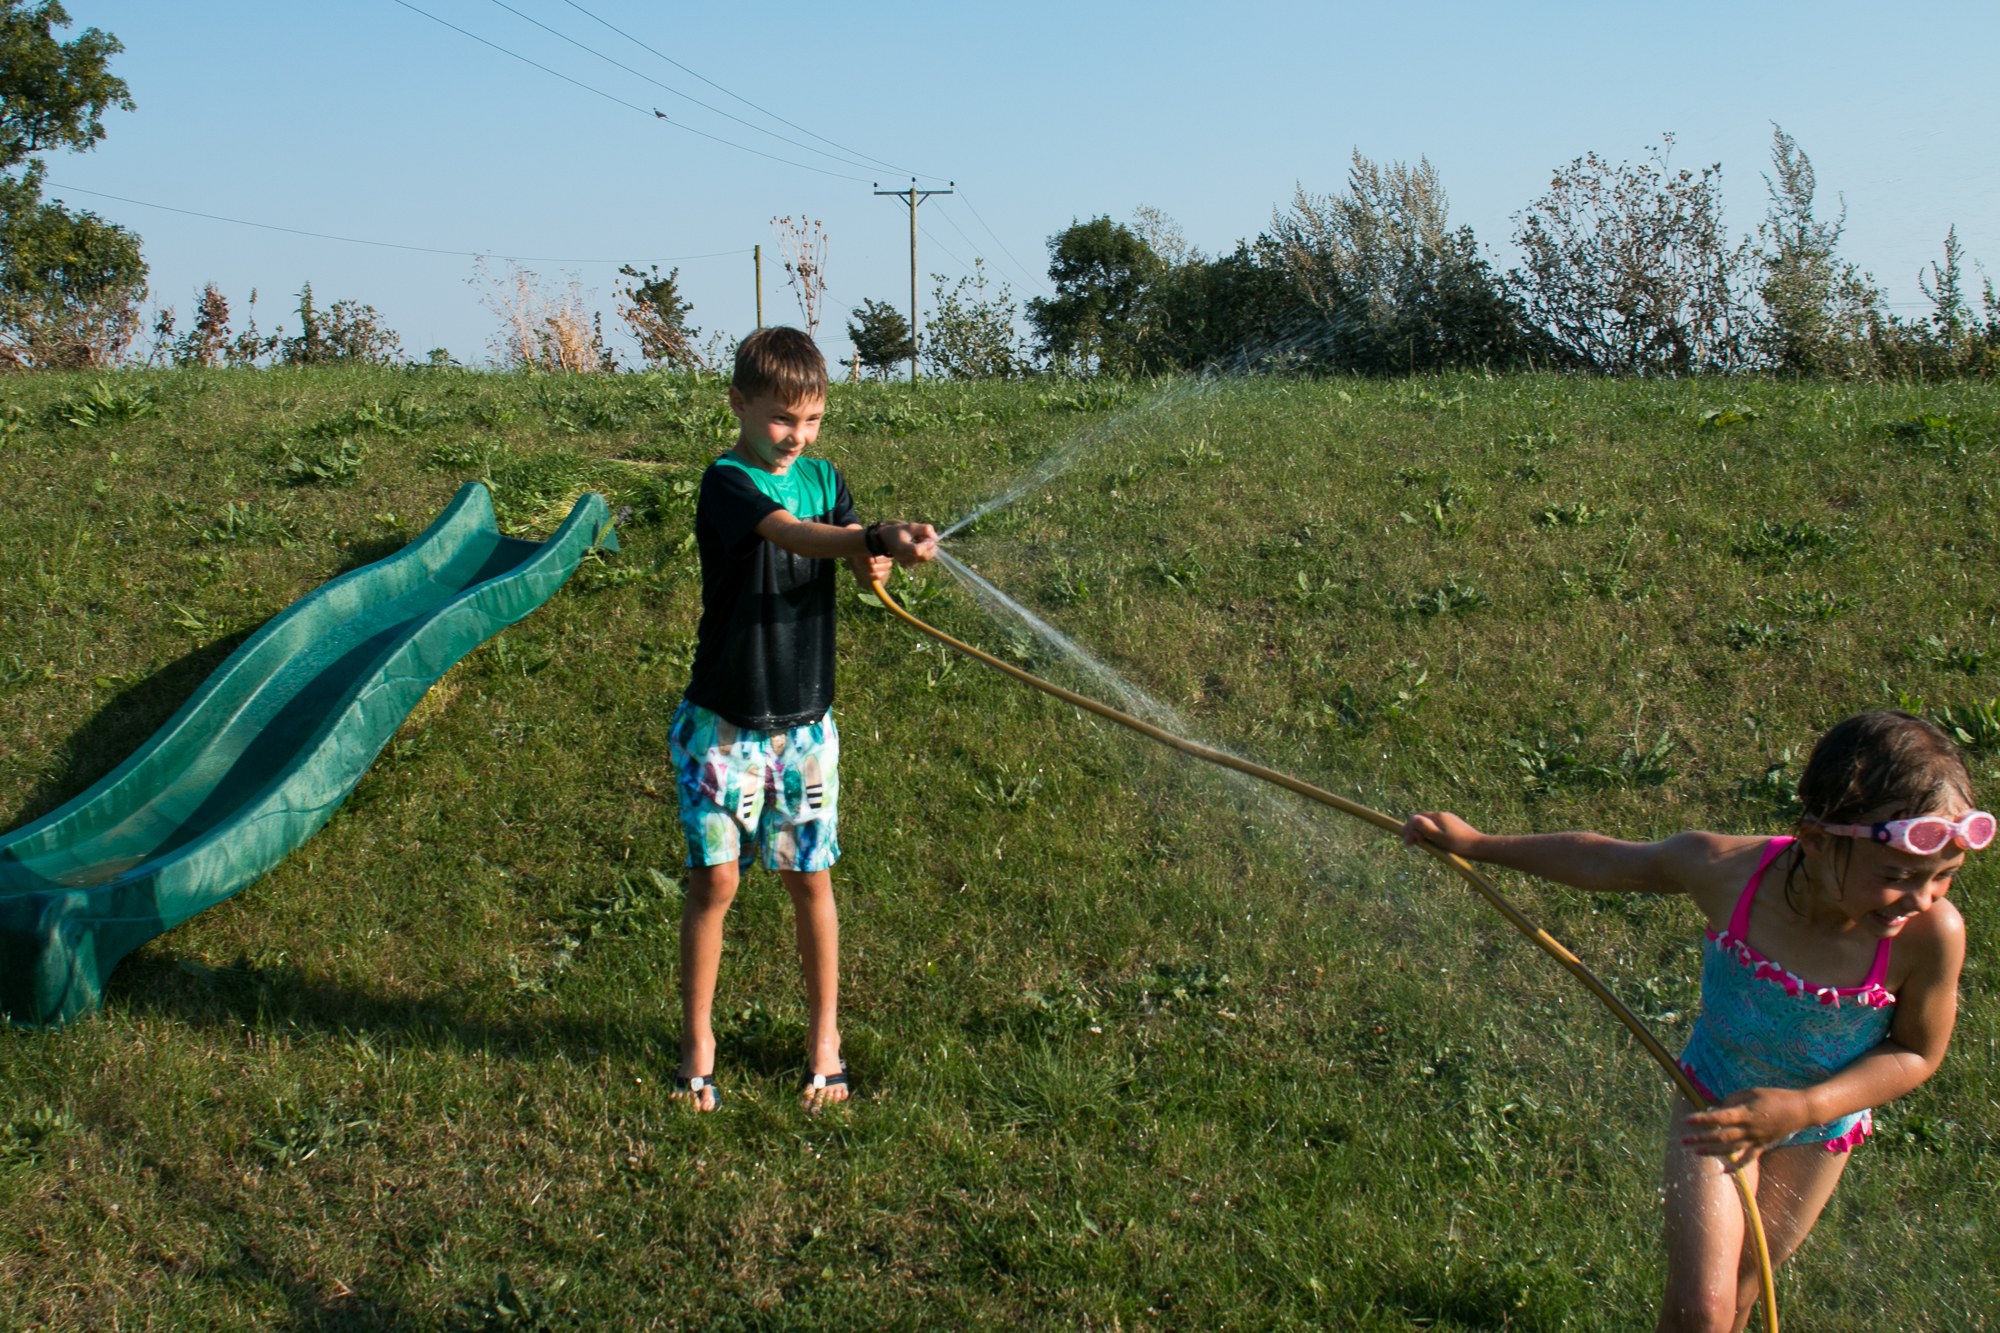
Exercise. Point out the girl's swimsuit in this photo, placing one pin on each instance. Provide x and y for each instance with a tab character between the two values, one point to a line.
1763	1027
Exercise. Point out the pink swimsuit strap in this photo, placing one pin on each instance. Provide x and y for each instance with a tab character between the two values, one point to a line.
1739	920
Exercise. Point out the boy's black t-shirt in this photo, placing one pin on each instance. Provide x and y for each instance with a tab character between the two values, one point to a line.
763	654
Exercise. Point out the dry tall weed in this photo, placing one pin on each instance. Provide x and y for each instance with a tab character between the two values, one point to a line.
804	245
543	326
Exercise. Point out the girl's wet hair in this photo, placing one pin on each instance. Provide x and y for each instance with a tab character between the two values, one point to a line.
1886	761
1889	764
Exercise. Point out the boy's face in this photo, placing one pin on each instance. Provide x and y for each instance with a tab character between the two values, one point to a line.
774	434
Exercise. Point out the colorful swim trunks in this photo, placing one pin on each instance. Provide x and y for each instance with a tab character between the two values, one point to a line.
741	790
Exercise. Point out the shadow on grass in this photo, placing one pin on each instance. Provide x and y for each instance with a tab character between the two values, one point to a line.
1491	1301
366	551
123	724
158	982
313	1309
752	1041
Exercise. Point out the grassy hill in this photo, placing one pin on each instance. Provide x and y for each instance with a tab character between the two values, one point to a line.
1139	1048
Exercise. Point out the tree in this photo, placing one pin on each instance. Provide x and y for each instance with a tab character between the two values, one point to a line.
53	94
70	283
1628	271
881	337
1100	270
1818	308
971	335
652	307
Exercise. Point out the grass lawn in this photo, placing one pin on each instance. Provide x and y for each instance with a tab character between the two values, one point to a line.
1138	1047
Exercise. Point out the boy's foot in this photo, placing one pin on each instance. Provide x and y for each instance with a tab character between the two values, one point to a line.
823	1090
698	1091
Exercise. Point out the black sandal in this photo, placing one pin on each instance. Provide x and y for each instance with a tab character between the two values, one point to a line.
819	1083
693	1086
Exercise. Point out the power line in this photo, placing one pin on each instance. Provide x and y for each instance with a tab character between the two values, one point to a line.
385	245
970	243
932	238
670	88
633	106
968	240
744	100
1018	265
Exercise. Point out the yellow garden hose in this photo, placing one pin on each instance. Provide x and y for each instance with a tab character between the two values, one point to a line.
1547	942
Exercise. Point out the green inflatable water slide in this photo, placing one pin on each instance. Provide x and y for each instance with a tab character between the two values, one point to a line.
263	753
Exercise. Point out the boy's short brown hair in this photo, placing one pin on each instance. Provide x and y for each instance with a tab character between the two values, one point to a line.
780	363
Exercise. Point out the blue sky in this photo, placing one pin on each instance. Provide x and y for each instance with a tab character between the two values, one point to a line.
365	119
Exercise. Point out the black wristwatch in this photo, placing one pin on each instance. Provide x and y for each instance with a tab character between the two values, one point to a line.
872	535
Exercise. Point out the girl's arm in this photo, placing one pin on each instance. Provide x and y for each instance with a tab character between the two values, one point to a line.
1926	1008
1684	863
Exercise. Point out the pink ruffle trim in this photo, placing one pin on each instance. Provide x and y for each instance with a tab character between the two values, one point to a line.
1870	996
1851	1140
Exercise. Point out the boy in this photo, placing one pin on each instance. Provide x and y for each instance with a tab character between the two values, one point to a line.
754	747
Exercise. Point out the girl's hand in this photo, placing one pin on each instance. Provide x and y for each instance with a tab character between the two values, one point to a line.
1748	1123
1442	830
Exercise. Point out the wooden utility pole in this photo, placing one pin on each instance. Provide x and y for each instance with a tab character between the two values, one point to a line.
913	196
757	258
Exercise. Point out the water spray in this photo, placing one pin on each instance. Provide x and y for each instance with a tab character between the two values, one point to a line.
1082	442
1298	340
1465	869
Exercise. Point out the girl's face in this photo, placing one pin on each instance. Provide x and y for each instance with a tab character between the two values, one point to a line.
1878	888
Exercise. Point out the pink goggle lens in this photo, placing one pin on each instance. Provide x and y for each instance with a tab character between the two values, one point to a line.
1927	835
1977	830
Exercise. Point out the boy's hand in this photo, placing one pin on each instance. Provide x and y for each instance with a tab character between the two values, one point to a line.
1446	831
910	543
871	569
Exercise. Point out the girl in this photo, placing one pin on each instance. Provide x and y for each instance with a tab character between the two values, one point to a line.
1854	901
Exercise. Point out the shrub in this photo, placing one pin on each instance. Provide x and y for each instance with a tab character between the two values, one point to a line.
345	332
1952	340
211	341
1628	271
1817	307
971	334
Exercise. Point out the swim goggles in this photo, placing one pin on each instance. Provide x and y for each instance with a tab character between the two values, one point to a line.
1924	835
